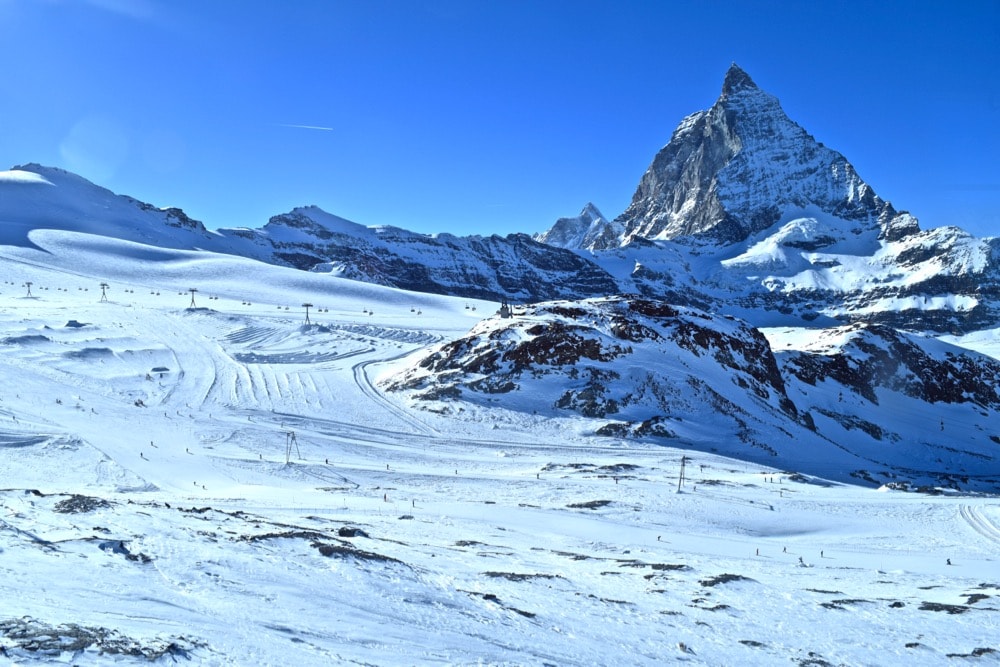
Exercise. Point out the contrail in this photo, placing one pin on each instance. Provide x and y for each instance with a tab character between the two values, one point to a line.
306	127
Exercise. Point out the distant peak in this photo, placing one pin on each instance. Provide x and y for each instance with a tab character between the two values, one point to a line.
591	210
736	80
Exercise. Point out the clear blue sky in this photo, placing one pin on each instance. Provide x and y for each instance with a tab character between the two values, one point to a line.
485	116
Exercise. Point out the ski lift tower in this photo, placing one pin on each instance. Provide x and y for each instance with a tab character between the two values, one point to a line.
192	290
28	285
307	306
291	441
104	292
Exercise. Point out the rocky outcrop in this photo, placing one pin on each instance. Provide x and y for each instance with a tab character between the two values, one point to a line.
869	360
627	358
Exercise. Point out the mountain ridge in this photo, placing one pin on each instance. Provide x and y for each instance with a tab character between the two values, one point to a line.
742	212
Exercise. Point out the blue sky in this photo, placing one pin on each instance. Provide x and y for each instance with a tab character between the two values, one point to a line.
481	116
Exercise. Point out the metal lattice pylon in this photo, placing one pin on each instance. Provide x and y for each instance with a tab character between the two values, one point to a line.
290	441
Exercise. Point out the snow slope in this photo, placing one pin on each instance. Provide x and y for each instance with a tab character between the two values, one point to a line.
155	504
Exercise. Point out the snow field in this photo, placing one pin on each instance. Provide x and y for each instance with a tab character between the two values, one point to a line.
384	535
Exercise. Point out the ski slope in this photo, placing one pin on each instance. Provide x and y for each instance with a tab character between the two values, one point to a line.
226	485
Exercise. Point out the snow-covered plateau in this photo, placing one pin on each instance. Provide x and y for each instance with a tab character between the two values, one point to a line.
191	473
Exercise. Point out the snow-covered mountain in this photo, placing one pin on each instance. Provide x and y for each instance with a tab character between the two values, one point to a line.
744	212
228	485
589	231
514	267
492	267
35	197
866	401
740	167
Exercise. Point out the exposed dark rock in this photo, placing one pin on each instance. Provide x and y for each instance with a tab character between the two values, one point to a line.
514	576
347	531
949	608
590	504
348	551
723	579
32	638
77	504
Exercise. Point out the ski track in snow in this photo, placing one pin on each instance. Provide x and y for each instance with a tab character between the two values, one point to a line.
364	384
978	521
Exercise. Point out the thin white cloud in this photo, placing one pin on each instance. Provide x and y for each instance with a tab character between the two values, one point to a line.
306	127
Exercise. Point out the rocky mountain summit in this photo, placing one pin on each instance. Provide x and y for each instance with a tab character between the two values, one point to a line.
744	212
738	168
588	231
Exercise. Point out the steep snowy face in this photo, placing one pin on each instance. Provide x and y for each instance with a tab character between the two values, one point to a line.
740	167
588	231
37	197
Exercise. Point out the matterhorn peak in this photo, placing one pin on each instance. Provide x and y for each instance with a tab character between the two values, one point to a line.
741	167
736	80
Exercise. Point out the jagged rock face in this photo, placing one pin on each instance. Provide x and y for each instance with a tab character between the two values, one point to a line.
872	359
737	168
625	357
514	267
588	231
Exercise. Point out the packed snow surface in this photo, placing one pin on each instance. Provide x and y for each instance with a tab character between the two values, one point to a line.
224	484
